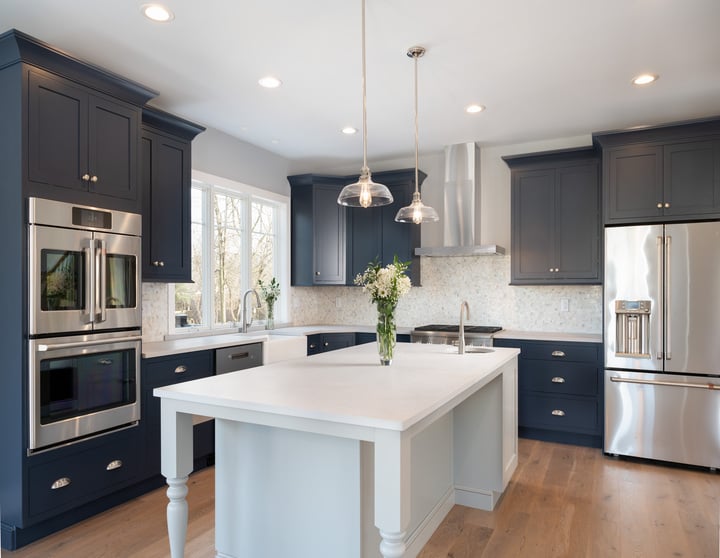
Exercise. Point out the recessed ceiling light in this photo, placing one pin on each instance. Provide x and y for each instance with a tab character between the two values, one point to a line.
645	79
349	130
270	82
474	109
275	141
157	12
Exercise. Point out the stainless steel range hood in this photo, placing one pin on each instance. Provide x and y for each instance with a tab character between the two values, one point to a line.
462	203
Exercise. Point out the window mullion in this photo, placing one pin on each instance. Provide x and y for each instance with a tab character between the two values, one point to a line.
208	264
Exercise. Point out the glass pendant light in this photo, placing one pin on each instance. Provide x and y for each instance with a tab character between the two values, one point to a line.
417	212
364	192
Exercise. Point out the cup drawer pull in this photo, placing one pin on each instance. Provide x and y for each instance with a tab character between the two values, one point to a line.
180	369
115	464
60	483
558	380
558	413
558	354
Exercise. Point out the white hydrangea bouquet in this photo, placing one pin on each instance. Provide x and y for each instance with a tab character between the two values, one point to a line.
385	285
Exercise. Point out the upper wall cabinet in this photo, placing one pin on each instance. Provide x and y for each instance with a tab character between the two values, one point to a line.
79	136
665	174
331	243
317	224
555	218
166	169
374	233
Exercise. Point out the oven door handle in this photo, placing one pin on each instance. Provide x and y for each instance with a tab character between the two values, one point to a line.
76	344
100	281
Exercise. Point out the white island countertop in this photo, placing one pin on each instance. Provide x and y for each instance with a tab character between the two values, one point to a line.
350	386
336	455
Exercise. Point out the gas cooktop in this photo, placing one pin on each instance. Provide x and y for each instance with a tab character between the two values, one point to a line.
456	328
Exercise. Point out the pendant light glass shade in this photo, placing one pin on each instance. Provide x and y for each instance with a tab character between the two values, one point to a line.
364	192
417	212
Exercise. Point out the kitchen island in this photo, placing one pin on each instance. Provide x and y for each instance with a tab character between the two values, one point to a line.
312	452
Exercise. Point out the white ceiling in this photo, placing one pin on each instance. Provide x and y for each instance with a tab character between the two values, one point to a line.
544	69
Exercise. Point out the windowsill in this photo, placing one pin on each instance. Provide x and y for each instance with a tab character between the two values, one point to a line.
203	332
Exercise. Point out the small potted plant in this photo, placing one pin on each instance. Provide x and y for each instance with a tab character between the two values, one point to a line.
269	293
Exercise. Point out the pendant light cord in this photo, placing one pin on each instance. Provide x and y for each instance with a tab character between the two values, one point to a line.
365	169
416	122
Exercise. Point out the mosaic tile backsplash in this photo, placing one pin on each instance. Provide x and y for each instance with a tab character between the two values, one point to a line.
446	282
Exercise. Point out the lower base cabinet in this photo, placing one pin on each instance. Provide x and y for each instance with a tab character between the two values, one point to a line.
324	342
560	391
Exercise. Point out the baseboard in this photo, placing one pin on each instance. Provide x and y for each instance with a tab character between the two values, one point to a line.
419	538
478	499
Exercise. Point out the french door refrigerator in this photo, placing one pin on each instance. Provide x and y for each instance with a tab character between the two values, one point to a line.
662	342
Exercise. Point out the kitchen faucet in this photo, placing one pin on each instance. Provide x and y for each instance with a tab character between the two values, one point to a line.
243	328
461	343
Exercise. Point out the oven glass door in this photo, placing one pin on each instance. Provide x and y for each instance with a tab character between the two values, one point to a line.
81	390
60	280
119	281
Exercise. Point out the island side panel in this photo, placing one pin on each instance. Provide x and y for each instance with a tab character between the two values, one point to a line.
285	493
485	441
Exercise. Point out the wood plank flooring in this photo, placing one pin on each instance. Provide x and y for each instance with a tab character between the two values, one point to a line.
563	502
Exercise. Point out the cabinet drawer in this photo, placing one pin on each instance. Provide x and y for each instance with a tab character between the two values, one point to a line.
81	477
240	357
575	352
164	371
568	378
558	413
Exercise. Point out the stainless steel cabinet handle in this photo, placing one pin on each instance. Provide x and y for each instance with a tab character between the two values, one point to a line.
115	464
105	361
159	263
181	369
85	177
667	204
60	483
93	178
313	345
558	413
317	273
659	205
558	354
325	344
558	380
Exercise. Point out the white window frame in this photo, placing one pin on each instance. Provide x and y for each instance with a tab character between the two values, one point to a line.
281	253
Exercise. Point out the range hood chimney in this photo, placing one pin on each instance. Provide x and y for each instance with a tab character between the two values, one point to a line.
462	201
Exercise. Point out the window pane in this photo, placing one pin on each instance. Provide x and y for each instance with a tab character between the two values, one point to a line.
188	296
263	246
228	211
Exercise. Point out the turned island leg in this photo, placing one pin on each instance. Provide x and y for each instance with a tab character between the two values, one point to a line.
392	491
176	447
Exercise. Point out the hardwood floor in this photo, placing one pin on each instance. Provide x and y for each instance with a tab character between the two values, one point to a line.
563	501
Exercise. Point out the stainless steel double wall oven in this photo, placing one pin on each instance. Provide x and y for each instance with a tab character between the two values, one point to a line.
84	321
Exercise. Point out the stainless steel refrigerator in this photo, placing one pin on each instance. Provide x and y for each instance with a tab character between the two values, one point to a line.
662	342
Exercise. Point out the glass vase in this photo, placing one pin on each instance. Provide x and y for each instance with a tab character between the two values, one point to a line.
270	317
386	332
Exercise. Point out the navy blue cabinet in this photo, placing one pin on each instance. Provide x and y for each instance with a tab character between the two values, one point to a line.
555	218
331	244
165	371
166	169
324	342
560	391
664	174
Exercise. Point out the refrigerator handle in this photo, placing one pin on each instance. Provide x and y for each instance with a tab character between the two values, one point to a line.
661	308
668	303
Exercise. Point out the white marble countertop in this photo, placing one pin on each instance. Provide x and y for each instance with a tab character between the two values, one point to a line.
349	386
320	328
549	336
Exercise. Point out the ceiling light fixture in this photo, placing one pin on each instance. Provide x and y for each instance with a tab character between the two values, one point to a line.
474	109
157	13
349	130
270	82
364	192
417	212
645	79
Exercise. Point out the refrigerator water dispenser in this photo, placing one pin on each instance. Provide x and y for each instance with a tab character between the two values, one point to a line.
632	325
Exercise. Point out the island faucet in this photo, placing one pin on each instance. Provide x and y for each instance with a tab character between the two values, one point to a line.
245	324
461	343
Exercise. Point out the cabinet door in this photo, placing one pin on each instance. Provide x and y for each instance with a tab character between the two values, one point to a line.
401	238
328	237
366	241
533	225
57	132
633	184
692	178
166	208
334	341
577	233
112	142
